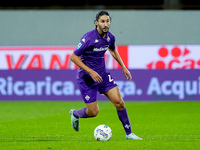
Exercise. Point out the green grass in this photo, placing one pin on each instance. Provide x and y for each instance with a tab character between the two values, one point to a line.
46	125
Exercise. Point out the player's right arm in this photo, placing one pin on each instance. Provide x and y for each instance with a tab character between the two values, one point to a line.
95	76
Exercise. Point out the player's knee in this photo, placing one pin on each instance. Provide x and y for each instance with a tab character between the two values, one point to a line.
119	104
93	113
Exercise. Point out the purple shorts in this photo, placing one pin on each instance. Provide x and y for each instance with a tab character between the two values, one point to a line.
89	88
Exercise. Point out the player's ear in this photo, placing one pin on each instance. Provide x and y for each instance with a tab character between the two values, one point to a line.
96	23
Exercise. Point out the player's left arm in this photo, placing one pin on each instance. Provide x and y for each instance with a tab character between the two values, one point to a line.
117	57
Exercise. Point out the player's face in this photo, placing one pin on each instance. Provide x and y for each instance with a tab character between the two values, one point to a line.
103	24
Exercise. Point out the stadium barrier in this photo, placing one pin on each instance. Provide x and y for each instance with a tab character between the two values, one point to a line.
160	72
55	85
134	57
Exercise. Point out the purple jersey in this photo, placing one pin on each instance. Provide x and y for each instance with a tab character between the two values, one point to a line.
92	48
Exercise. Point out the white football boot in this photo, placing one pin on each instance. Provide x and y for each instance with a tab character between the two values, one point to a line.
74	121
132	136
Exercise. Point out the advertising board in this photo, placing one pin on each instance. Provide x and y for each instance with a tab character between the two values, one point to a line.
62	85
48	57
133	56
160	72
164	56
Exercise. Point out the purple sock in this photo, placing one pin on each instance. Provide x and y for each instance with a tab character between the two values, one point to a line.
81	113
123	117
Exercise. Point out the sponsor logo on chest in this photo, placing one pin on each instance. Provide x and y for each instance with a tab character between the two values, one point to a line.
103	48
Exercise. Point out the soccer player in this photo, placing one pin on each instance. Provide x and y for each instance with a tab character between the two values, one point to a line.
92	75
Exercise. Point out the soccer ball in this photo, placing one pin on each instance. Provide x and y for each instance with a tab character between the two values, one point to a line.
102	133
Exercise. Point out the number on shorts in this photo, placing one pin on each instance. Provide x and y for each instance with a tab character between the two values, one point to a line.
110	79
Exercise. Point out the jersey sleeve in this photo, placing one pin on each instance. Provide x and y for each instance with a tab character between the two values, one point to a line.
82	46
112	46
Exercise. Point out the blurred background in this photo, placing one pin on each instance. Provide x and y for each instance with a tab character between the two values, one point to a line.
158	40
111	4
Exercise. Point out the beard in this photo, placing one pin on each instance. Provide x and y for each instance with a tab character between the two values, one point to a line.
104	30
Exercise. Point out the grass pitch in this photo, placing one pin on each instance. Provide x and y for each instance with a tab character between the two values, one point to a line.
46	125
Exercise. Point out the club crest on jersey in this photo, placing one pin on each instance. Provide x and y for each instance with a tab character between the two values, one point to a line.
87	97
108	38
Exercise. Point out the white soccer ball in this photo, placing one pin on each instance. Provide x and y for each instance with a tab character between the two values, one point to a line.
102	133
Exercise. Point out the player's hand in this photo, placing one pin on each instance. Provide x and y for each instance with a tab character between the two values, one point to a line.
95	76
127	74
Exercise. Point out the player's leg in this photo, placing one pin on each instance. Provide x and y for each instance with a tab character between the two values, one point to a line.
115	97
110	89
91	110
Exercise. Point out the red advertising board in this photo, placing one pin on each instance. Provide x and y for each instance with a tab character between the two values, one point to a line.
133	56
48	57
